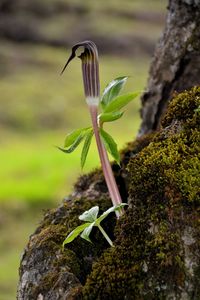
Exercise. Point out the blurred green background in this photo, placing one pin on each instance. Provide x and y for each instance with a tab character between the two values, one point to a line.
38	107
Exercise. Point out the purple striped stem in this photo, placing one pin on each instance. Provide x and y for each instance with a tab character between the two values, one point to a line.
90	72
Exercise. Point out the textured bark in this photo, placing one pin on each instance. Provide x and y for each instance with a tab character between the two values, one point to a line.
176	62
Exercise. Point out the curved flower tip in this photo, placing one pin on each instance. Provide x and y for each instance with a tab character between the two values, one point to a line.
90	70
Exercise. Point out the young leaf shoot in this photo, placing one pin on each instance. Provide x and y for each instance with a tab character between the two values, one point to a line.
91	218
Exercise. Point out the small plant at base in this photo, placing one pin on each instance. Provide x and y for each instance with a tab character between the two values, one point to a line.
111	104
91	219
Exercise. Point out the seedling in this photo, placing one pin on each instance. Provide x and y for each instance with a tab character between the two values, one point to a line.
91	219
111	103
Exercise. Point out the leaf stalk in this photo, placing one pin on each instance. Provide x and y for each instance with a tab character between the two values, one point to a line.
105	235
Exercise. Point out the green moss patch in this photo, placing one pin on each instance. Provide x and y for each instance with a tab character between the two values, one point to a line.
157	252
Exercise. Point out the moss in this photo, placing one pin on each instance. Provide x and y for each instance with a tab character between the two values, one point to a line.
154	256
133	148
183	108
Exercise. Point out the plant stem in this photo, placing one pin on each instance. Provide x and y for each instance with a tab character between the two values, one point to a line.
106	167
105	235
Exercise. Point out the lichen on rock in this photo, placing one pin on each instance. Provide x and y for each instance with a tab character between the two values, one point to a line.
157	240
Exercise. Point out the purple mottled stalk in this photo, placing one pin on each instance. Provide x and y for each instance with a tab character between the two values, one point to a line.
90	70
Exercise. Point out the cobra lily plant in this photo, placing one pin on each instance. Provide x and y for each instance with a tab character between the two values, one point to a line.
111	104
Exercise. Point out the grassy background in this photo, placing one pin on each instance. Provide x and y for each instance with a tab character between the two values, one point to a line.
38	108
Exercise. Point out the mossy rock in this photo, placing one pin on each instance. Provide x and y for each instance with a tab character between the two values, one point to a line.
157	252
157	241
49	272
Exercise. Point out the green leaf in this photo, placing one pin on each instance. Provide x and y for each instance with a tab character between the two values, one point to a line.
120	101
73	146
86	232
112	90
108	211
109	117
86	146
90	215
75	233
110	145
72	137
